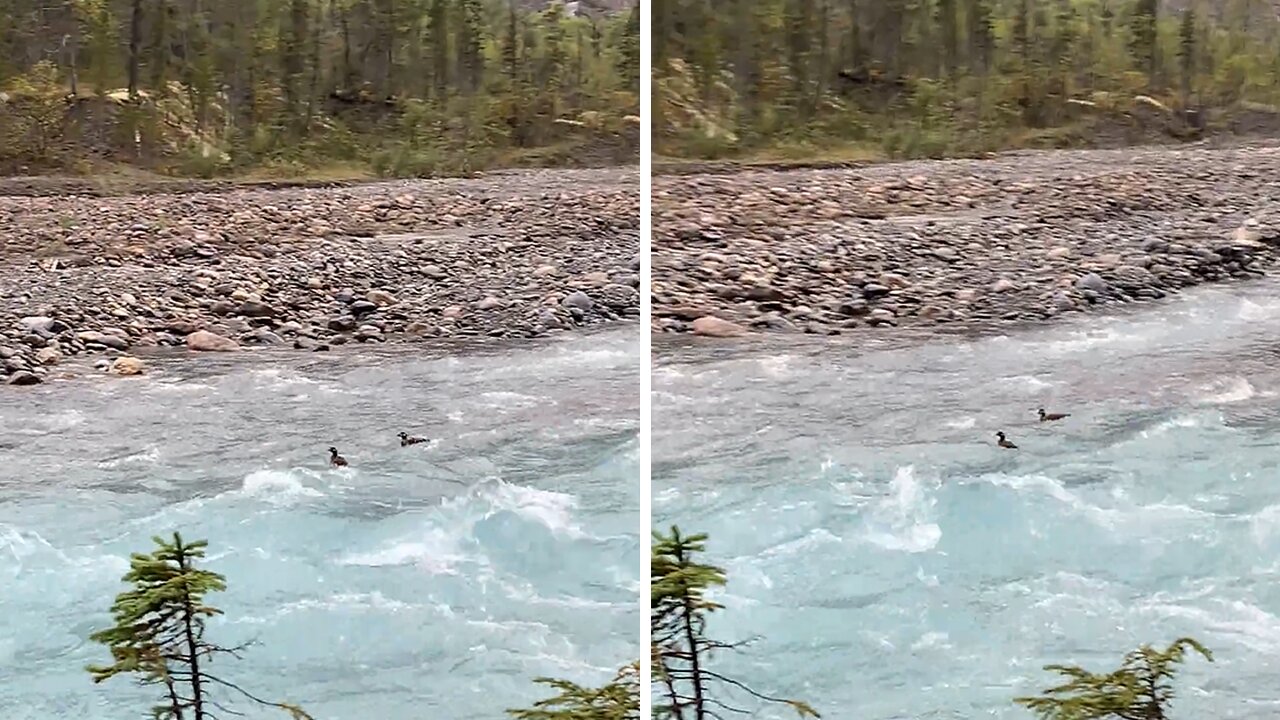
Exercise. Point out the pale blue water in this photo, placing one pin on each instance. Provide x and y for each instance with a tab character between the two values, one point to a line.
431	581
897	564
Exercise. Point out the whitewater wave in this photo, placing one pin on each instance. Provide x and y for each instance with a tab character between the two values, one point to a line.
903	521
446	540
1175	423
150	456
1233	389
1228	620
279	486
1122	515
503	400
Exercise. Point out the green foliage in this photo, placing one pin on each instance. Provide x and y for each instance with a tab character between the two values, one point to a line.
1142	689
289	85
915	78
159	632
32	116
678	614
617	700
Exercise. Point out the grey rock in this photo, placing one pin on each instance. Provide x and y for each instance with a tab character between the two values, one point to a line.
22	377
855	307
223	307
1092	282
39	324
255	309
872	291
578	300
363	307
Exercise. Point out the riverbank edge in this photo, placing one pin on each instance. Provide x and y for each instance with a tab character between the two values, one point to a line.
503	258
123	185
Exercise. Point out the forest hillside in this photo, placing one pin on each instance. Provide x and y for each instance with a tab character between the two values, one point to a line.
866	79
316	87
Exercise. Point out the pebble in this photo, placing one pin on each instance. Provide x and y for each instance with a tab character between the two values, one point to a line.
889	245
202	265
127	365
578	300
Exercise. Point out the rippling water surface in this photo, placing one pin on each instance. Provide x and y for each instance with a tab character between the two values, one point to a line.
899	565
429	581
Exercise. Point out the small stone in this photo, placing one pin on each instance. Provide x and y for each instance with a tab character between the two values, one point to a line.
382	298
578	299
596	279
1003	285
126	365
342	324
39	324
363	307
854	307
1058	253
22	377
893	281
417	329
223	307
489	303
1092	282
871	291
254	308
48	356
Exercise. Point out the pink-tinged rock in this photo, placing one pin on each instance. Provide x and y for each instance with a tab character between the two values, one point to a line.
205	341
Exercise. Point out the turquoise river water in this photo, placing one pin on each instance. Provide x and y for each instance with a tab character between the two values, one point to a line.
894	563
431	581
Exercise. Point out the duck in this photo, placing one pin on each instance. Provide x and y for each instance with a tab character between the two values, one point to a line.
336	460
1005	442
1051	417
405	439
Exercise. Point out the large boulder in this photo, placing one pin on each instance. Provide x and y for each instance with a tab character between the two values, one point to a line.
205	341
712	326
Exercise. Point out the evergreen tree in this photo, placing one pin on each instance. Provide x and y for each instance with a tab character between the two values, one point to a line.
679	609
1187	52
1141	689
629	50
942	77
617	700
159	633
409	87
1144	35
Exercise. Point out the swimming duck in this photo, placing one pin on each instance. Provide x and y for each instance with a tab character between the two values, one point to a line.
336	460
1005	442
406	440
1050	417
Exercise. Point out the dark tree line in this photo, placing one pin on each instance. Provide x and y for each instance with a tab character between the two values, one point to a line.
940	76
236	82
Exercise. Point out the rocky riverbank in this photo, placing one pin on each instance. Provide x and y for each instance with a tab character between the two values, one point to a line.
519	254
966	244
